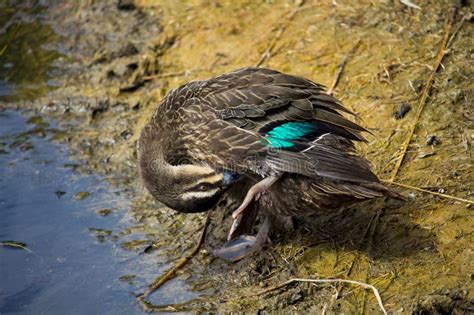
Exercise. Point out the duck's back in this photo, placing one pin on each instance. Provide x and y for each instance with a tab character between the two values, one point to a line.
260	122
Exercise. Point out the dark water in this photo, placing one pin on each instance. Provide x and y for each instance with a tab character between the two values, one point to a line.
68	270
59	255
73	262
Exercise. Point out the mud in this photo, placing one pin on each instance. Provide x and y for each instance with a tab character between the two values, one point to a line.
120	58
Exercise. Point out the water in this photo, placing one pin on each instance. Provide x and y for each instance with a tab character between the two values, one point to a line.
73	260
67	266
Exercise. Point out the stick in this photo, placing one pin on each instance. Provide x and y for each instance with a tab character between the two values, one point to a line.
424	95
351	266
465	17
14	244
340	68
268	52
429	191
155	285
364	285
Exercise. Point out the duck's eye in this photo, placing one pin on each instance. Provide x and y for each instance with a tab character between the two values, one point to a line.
203	187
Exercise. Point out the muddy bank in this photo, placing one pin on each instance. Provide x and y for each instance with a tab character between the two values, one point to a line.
120	58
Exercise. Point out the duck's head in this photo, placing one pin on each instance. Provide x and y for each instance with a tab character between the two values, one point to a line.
180	185
185	188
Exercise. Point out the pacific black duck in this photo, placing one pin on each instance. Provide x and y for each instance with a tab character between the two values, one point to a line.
276	142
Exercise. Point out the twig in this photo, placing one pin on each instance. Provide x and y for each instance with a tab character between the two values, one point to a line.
268	52
14	244
424	95
429	191
340	68
366	233
2	51
293	280
155	285
410	4
185	307
465	17
369	246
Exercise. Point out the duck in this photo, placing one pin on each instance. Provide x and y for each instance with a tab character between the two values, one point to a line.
277	143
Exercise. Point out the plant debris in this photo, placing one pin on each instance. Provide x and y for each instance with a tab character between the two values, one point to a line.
81	195
401	111
15	245
432	140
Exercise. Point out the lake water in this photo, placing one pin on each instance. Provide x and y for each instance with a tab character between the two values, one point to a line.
72	261
69	266
61	232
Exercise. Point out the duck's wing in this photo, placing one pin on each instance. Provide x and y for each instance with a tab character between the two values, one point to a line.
269	122
258	99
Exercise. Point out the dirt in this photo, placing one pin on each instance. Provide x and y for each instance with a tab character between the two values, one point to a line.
121	58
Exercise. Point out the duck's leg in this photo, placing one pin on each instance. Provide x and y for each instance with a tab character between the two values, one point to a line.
254	193
244	222
245	245
239	244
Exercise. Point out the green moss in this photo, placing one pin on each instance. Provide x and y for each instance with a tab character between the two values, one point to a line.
25	62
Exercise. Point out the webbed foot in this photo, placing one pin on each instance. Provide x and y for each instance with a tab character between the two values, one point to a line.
239	244
245	245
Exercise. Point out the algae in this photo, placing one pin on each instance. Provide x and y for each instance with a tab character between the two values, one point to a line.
26	56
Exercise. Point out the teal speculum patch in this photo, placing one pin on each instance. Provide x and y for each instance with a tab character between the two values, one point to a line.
284	135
